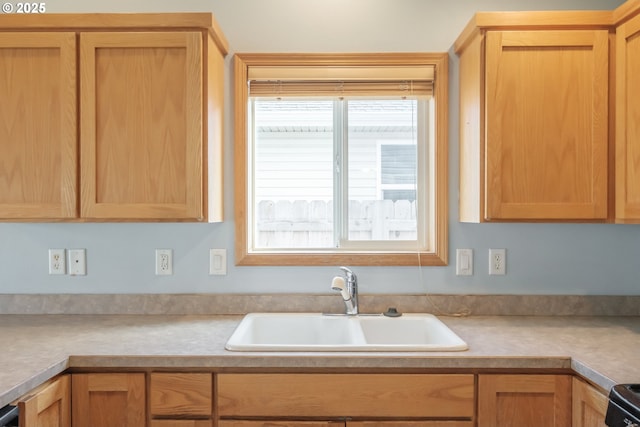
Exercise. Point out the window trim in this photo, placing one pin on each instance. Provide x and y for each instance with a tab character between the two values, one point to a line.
439	256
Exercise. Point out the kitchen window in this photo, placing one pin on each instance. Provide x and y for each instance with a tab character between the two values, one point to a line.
341	159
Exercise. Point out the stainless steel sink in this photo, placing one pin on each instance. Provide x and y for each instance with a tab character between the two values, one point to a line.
320	332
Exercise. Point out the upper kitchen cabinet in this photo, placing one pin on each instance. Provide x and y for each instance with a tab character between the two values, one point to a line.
38	132
627	104
534	90
131	132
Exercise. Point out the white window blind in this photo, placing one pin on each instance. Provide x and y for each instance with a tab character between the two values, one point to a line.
268	81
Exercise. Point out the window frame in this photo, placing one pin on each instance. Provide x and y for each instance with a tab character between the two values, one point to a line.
437	257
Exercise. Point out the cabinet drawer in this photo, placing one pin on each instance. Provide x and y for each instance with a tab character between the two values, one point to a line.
336	395
434	423
228	423
181	423
180	394
276	423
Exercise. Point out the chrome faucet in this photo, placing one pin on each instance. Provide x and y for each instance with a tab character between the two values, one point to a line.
348	287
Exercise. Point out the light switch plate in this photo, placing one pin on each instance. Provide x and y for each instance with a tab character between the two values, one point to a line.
464	262
217	262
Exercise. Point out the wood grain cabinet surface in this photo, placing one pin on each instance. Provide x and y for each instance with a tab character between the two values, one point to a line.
628	120
49	405
38	135
141	131
147	104
534	117
441	423
181	399
363	400
108	400
524	400
181	423
210	399
589	405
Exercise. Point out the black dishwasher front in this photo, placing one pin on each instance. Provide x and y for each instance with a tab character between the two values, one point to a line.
9	416
624	406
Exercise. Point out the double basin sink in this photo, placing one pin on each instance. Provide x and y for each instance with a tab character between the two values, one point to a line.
325	332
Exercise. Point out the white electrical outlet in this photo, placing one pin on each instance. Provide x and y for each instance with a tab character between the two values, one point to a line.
464	262
57	261
497	262
77	262
217	262
164	262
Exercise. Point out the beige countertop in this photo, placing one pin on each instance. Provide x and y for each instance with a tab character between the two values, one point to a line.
603	350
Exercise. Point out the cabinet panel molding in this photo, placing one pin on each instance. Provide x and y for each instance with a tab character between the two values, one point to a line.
107	400
547	124
48	405
142	129
524	400
111	117
534	118
628	122
38	132
589	406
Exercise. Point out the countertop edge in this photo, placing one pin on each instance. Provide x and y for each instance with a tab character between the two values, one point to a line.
602	350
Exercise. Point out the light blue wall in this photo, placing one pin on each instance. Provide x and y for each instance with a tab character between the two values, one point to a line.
542	258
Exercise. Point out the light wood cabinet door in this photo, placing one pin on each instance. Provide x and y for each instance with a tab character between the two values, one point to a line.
547	124
524	400
628	121
48	406
534	126
108	400
38	134
141	105
589	406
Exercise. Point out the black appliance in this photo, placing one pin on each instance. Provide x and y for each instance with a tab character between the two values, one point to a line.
9	416
624	406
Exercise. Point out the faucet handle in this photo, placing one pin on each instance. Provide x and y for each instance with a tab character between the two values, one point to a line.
351	277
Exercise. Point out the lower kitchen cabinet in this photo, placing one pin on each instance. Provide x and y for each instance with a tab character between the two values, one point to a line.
181	399
49	405
253	400
524	400
589	406
181	423
409	424
108	400
228	423
209	399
